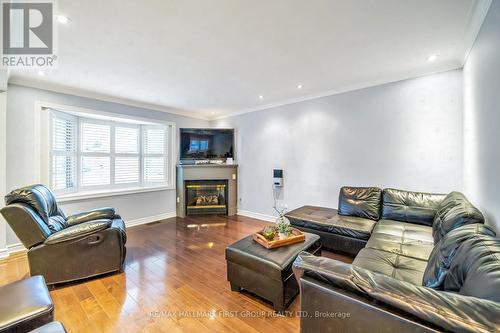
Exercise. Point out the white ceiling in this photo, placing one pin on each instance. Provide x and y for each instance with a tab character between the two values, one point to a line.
212	58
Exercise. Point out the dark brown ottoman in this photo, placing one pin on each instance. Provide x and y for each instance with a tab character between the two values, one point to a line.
267	273
25	305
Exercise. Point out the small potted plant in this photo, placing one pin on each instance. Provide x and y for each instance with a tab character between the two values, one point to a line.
269	232
283	226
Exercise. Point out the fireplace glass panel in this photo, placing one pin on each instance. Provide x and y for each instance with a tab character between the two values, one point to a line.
206	197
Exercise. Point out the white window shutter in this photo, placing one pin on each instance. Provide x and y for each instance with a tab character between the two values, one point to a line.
126	140
96	170
63	172
154	154
126	170
89	154
95	138
63	152
64	133
154	169
154	140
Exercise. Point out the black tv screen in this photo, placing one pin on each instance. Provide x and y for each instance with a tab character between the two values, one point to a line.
201	143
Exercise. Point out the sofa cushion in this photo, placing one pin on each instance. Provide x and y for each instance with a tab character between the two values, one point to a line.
328	220
408	239
78	231
407	206
391	264
444	251
360	201
454	211
475	268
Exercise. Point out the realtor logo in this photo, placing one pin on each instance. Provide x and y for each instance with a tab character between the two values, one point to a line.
28	34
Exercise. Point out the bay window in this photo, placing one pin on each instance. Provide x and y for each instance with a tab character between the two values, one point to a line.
90	153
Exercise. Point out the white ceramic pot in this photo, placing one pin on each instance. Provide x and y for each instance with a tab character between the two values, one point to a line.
283	235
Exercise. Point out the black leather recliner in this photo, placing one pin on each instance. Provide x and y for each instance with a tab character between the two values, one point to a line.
64	248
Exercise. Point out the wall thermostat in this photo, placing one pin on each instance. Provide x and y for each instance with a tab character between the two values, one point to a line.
278	177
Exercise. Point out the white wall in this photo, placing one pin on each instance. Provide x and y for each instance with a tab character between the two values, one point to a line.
482	118
406	135
21	169
3	173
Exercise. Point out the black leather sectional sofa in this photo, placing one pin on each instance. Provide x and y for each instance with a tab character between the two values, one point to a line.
423	262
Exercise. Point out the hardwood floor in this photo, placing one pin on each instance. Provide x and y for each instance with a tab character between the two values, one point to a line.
174	281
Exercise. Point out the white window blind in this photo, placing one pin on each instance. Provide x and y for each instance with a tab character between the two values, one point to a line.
88	153
154	169
126	140
96	138
154	140
64	152
95	171
126	170
127	150
154	157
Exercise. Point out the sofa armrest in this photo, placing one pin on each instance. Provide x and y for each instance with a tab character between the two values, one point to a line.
78	231
91	215
447	310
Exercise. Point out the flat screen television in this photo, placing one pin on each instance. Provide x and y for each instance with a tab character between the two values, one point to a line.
206	143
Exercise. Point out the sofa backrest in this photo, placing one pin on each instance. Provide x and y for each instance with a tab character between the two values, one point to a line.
360	201
33	213
454	211
445	250
408	206
475	269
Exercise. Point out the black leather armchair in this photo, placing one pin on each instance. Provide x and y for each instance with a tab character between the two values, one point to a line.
64	248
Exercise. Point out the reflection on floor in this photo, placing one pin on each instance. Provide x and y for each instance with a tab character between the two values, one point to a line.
174	281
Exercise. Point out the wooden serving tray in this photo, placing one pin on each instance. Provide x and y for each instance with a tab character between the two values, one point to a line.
296	236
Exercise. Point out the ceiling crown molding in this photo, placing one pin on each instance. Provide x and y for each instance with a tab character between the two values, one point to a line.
332	92
102	97
477	15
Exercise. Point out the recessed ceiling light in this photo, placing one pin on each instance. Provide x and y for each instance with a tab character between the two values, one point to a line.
212	113
62	19
261	97
41	73
432	58
299	86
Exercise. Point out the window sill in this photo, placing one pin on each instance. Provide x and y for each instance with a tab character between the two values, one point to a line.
86	195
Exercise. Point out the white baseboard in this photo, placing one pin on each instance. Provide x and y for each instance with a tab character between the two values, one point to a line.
258	216
18	247
10	249
149	219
